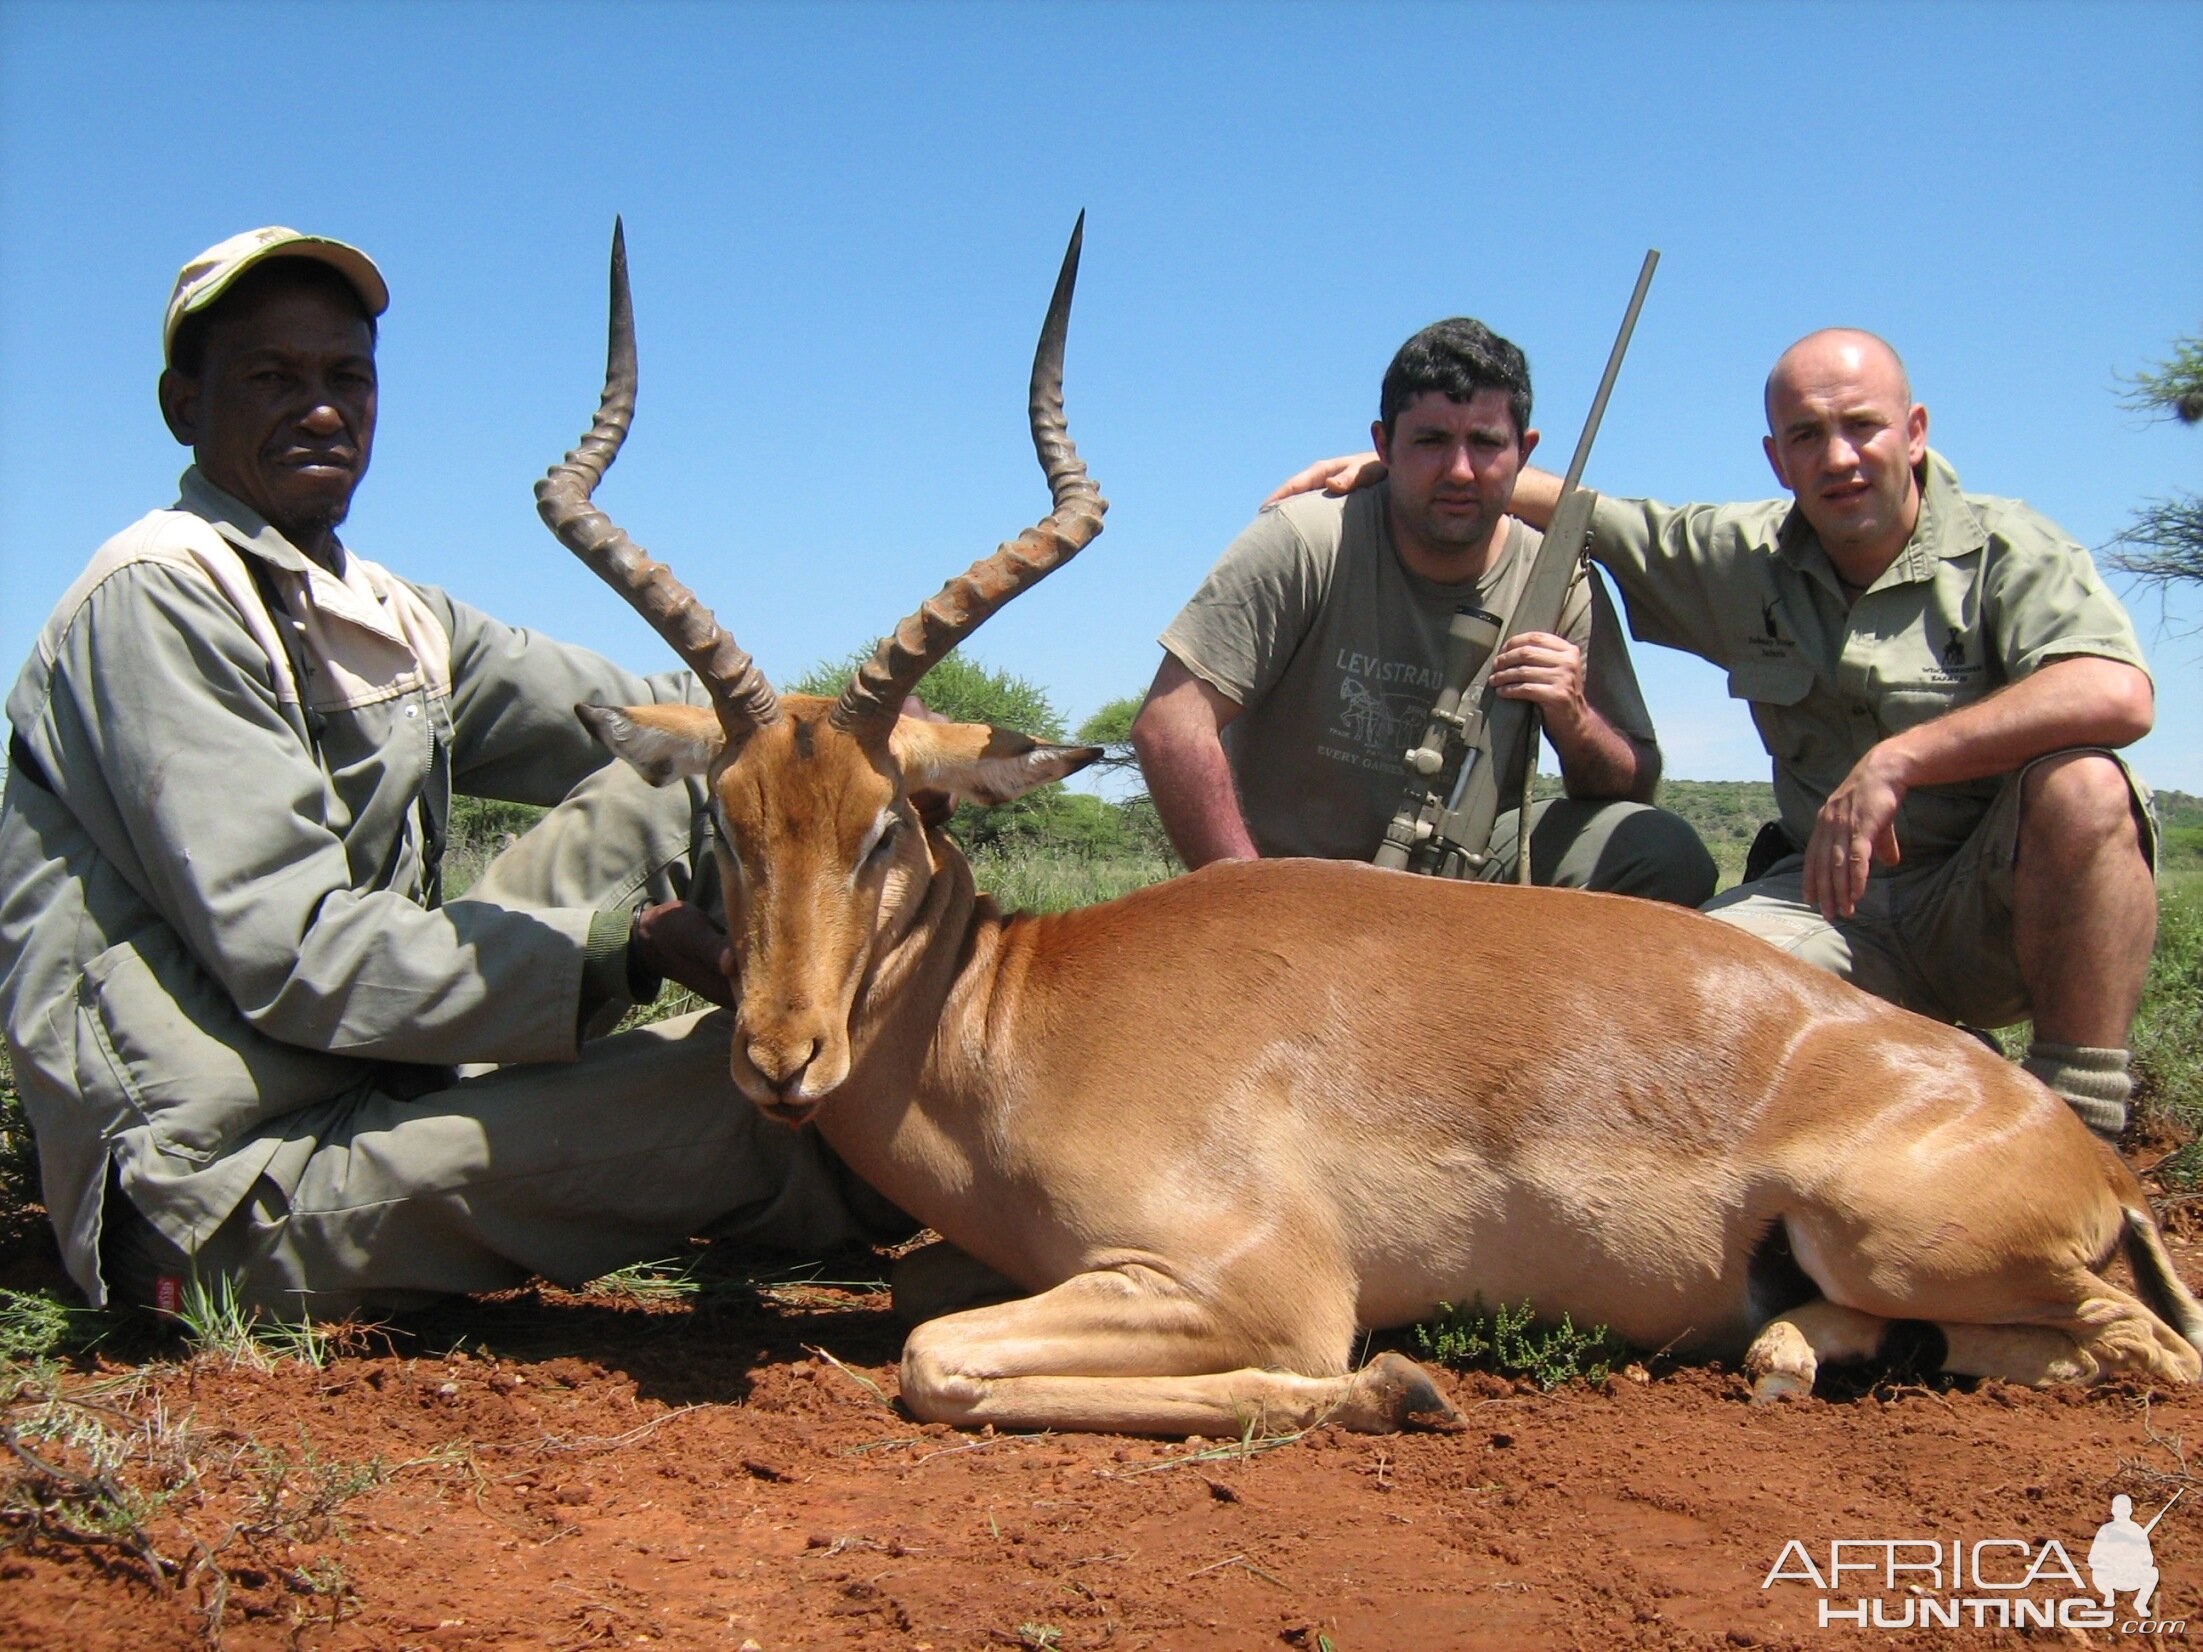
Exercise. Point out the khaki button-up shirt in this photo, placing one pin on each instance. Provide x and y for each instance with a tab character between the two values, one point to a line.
1985	592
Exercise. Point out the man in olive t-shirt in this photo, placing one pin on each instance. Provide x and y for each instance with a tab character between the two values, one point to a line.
1301	671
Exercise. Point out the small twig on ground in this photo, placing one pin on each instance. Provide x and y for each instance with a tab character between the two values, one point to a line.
2172	1445
1241	1561
974	1445
97	1491
1898	1390
1210	1454
613	1442
902	1444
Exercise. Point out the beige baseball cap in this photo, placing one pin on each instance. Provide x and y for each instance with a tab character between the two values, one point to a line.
210	275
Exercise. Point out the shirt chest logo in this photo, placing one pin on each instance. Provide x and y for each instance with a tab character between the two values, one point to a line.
1951	665
1770	642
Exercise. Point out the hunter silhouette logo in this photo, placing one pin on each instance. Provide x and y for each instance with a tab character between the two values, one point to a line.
2120	1559
1767	618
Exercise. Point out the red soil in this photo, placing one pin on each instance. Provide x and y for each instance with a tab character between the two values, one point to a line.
596	1473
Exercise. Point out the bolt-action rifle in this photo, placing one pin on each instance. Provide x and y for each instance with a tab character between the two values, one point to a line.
1444	823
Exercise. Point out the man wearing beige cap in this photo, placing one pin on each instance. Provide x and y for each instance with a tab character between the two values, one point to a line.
255	1043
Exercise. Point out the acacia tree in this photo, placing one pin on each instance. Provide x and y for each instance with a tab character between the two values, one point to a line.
2163	545
965	691
1111	729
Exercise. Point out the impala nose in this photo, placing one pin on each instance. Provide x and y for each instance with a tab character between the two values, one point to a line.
781	1066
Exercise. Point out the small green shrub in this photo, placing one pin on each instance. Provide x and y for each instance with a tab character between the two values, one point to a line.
1513	1343
481	830
35	1326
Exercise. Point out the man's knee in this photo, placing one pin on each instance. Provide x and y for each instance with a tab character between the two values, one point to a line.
2076	805
1653	855
1772	912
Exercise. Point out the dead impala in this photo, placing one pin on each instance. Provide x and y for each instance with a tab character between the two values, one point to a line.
1220	1125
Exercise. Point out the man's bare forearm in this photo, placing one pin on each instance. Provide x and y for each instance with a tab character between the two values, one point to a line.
1598	762
1177	737
2080	701
1537	496
1191	784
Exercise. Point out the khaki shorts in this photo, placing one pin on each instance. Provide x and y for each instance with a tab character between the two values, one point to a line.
1936	938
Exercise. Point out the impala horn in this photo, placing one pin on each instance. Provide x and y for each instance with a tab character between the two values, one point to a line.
875	694
739	692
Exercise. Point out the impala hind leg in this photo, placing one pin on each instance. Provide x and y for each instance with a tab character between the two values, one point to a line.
1789	1351
2115	1335
1792	1347
2106	1333
1127	1350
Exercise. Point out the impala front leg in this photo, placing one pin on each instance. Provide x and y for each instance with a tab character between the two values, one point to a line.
1129	1350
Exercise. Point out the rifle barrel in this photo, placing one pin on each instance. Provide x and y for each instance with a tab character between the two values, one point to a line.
1613	369
2167	1509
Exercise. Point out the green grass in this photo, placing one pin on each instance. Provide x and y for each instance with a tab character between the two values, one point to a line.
2168	1033
668	1280
217	1326
1023	879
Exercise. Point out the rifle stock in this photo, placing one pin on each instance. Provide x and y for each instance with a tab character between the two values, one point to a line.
1443	826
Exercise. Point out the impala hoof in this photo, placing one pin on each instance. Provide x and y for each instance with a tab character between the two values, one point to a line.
1771	1386
1391	1393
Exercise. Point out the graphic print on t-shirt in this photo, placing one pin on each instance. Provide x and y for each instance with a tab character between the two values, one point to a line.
1380	709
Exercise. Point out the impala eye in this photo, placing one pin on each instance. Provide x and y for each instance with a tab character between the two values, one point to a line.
890	829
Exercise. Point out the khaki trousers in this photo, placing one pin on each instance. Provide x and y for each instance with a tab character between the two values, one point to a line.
567	1170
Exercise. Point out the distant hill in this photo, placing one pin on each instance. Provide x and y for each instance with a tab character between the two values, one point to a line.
1721	811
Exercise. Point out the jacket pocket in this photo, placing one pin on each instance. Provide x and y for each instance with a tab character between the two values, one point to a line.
1775	690
158	1038
1774	682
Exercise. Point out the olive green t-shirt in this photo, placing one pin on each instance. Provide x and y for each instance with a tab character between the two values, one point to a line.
1334	649
1985	592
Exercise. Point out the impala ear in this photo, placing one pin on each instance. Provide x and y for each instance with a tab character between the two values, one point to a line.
977	763
661	743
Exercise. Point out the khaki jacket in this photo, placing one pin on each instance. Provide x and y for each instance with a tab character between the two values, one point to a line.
220	911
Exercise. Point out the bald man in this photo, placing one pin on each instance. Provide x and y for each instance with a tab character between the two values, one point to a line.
1943	683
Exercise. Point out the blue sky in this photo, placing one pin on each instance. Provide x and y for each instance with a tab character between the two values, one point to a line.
843	221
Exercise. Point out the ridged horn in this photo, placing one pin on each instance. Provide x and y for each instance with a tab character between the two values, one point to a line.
739	691
875	694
